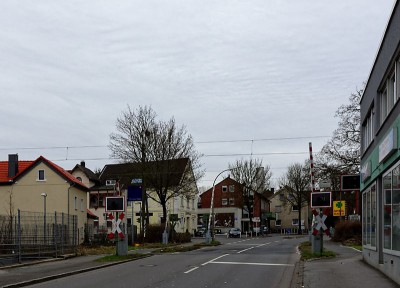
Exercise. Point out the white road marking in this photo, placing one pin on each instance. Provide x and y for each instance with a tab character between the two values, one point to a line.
253	247
214	259
194	268
246	249
257	264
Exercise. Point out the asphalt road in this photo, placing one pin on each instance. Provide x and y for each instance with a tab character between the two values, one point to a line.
246	262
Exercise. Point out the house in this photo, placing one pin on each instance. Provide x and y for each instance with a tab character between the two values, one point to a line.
380	155
39	186
85	175
115	179
229	208
287	215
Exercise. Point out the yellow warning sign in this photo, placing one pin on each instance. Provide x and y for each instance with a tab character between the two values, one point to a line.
339	208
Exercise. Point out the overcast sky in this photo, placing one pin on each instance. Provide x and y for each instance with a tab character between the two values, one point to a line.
258	71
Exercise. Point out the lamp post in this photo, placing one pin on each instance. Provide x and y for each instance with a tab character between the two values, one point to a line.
144	209
209	235
44	195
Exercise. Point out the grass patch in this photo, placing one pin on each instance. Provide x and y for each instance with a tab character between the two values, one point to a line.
306	252
180	248
114	258
357	247
95	250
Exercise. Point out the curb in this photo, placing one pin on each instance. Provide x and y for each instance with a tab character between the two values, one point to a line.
66	274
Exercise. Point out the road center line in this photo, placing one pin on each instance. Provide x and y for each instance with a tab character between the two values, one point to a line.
246	249
194	268
253	247
211	261
256	264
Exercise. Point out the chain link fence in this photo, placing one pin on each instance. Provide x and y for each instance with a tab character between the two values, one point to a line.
35	235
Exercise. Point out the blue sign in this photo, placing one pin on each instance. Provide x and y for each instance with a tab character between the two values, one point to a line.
134	193
136	181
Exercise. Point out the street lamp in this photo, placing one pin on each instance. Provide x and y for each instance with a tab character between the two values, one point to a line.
209	236
44	195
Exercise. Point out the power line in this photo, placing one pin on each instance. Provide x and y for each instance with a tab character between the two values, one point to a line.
196	142
259	140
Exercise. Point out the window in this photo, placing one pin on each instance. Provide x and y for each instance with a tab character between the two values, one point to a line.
369	216
93	201
295	222
368	130
389	93
187	203
41	176
232	188
224	188
278	209
295	208
76	203
101	201
281	197
384	105
81	205
79	179
224	202
391	210
278	222
231	202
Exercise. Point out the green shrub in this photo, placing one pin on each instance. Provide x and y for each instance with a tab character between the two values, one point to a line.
183	237
154	233
347	230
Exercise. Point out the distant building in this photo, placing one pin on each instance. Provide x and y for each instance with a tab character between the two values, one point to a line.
286	215
229	208
380	155
115	180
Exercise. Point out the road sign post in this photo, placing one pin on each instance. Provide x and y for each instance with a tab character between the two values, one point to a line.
321	202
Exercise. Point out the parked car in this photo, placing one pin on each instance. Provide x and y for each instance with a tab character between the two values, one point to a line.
200	233
264	230
234	232
217	231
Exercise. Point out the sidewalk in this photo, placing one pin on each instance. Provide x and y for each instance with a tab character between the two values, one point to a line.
24	274
345	270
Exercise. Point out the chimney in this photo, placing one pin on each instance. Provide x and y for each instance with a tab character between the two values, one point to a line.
83	163
12	165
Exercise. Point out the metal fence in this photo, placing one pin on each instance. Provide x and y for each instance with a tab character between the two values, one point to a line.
33	235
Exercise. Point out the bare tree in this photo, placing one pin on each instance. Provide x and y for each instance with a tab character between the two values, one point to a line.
295	186
342	152
254	177
142	139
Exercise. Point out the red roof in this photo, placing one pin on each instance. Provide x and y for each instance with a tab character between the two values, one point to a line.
23	166
91	214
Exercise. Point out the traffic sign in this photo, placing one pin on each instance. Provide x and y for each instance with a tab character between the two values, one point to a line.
339	208
320	222
136	181
115	226
321	199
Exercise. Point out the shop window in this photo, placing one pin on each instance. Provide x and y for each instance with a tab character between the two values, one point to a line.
391	210
369	216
